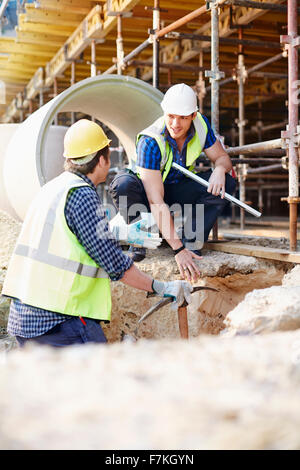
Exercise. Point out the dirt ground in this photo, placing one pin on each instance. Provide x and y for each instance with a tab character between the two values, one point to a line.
234	384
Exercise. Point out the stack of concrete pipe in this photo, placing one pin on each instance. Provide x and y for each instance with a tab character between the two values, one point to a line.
31	153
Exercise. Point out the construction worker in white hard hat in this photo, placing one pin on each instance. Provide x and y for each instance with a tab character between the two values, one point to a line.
179	136
67	253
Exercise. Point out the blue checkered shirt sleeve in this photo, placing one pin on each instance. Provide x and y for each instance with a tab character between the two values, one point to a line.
210	138
87	220
148	153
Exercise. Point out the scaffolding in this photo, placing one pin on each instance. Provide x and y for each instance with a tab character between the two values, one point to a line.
103	18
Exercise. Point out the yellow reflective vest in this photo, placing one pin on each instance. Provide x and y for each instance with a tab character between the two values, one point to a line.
194	146
49	268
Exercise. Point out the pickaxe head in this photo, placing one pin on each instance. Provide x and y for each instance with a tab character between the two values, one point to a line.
168	300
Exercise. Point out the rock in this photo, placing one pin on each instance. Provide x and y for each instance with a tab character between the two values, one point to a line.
209	392
266	310
232	391
263	311
161	262
7	343
4	305
292	278
9	232
4	311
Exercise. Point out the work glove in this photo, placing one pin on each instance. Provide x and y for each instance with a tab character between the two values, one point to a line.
179	290
136	233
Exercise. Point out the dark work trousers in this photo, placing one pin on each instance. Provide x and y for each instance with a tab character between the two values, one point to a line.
71	331
127	190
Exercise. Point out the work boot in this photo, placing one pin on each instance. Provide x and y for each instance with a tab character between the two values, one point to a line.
137	253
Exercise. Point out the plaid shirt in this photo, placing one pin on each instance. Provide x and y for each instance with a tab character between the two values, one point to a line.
149	156
87	220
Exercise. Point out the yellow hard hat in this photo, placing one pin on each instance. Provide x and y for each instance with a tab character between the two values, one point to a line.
84	138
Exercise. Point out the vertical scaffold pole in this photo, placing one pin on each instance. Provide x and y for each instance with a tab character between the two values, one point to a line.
120	47
73	78
93	59
241	76
156	25
291	134
55	92
215	75
201	83
215	72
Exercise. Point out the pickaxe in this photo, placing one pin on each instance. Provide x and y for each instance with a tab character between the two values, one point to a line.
182	310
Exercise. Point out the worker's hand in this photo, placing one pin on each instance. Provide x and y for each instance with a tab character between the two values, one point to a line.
185	262
216	182
179	290
135	233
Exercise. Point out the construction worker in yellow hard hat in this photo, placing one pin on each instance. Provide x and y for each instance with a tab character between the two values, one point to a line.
179	135
84	138
66	255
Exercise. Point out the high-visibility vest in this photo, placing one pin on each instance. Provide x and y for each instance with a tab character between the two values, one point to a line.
49	268
194	146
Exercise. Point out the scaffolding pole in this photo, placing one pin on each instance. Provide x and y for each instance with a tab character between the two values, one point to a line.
156	25
55	93
258	147
182	21
258	5
93	59
215	75
256	67
231	41
291	134
200	84
241	78
73	80
119	43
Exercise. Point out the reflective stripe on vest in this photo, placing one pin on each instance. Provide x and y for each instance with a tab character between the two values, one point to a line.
194	146
49	267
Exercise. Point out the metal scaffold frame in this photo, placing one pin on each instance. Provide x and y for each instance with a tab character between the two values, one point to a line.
102	18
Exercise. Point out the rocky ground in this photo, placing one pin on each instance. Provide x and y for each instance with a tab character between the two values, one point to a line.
209	392
233	385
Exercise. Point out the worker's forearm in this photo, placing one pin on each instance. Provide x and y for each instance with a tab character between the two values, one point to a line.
225	162
133	277
165	223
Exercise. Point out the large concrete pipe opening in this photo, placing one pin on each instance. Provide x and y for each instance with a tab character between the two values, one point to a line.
34	153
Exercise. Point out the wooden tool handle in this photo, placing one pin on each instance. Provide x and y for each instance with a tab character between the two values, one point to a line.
183	322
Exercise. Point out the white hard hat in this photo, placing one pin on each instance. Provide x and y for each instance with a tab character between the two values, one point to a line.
180	99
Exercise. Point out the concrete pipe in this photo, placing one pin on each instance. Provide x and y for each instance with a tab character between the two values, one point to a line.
12	176
34	153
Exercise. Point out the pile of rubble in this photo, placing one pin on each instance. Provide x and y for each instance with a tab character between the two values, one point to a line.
233	385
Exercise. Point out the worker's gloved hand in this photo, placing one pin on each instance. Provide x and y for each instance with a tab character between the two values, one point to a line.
136	233
179	290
